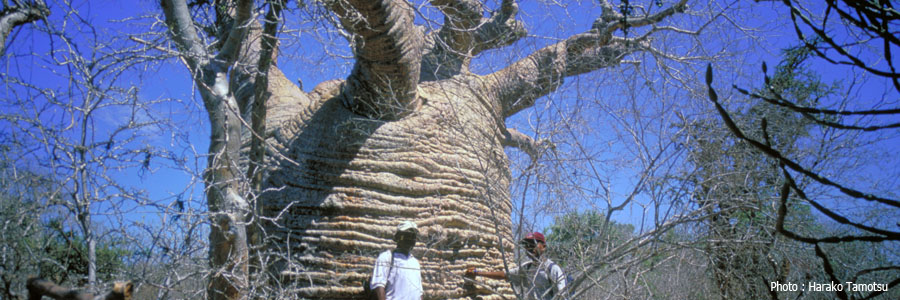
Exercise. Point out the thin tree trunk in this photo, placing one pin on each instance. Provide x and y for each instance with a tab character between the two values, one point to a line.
84	202
225	188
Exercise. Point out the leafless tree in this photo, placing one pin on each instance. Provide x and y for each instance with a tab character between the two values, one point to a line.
858	37
78	135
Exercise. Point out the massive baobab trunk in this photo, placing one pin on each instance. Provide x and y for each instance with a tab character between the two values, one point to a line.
410	134
347	180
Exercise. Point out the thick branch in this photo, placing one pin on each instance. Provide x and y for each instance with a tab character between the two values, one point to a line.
449	51
533	148
242	24
501	29
181	26
520	84
459	14
465	34
610	20
388	50
38	288
17	15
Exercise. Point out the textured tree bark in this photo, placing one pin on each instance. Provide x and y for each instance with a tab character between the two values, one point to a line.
346	181
388	51
39	288
341	179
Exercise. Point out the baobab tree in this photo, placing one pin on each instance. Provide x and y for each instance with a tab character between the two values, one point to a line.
304	188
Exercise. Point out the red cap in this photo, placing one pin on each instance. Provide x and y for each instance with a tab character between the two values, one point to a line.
537	236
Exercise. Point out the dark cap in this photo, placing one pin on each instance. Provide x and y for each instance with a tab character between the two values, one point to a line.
535	236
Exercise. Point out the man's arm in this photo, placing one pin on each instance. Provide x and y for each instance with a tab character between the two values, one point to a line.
473	272
379	292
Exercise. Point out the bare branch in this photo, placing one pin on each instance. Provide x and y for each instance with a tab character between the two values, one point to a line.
258	114
520	84
826	264
465	34
239	31
852	60
180	23
38	288
777	155
808	112
501	29
228	233
533	148
610	20
19	14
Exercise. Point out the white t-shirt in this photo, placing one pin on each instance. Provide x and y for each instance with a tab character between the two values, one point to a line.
405	280
535	281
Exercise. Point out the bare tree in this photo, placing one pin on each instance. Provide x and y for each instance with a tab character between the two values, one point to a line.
75	119
866	121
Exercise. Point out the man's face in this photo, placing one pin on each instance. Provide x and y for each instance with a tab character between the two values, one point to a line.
534	248
406	240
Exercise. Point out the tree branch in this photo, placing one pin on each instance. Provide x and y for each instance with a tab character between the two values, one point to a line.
242	24
610	20
501	29
826	265
534	149
520	84
258	114
769	151
19	14
229	249
38	288
808	112
853	59
465	34
181	26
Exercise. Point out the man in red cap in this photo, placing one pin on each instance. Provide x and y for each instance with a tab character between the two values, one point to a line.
540	278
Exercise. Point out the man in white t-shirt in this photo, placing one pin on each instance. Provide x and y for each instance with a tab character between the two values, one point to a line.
397	274
540	278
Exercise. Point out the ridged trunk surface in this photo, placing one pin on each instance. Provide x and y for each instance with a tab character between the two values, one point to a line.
346	181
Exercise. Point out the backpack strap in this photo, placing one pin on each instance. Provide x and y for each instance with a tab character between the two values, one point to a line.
554	279
550	270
